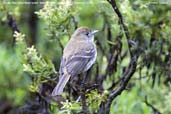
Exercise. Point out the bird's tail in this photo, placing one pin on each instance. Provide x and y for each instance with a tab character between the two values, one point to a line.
58	90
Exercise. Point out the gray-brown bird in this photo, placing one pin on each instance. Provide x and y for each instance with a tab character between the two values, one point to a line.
78	56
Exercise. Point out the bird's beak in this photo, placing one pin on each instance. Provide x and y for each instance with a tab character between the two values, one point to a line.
94	31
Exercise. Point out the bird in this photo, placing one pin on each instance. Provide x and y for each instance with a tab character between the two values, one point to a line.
79	55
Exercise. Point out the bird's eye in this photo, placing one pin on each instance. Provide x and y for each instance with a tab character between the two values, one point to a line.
87	33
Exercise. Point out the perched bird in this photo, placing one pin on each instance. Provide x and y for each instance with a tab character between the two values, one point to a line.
78	56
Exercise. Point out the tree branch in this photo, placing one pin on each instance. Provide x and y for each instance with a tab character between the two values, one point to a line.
130	70
13	25
125	28
156	111
33	23
83	96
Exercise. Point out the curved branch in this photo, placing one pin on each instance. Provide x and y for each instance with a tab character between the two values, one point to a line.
125	28
130	70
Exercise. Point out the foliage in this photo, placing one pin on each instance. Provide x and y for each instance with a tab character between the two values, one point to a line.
33	63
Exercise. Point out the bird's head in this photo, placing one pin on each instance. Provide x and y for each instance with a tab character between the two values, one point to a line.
84	33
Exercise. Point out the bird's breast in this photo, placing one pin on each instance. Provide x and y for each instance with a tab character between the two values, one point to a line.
91	62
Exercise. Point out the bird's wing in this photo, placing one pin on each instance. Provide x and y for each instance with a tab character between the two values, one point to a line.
61	72
78	61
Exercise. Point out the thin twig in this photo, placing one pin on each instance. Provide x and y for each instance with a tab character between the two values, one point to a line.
13	25
83	97
156	111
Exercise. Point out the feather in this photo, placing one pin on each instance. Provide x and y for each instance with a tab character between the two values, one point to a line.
58	90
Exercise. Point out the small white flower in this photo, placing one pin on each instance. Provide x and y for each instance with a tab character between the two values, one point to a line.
25	67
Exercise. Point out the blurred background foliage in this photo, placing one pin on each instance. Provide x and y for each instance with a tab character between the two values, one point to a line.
30	57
